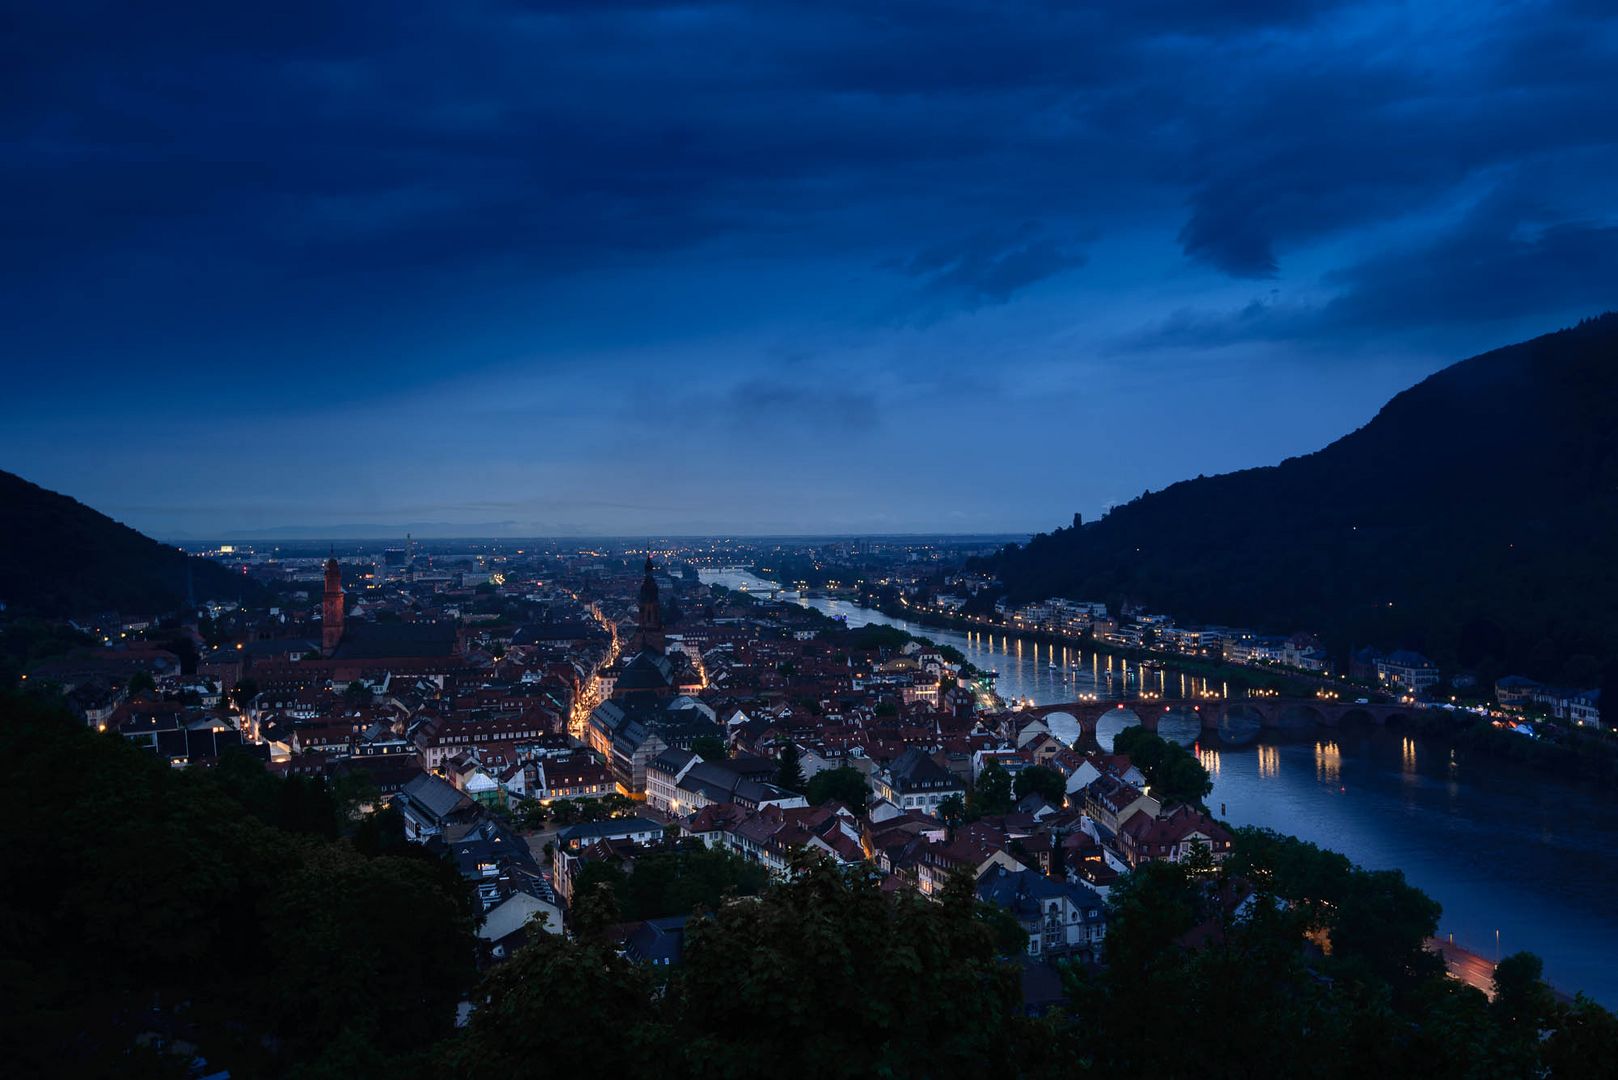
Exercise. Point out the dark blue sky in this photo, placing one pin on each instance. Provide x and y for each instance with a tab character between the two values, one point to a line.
830	267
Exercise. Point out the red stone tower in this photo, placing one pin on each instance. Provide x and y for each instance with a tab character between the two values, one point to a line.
331	610
649	635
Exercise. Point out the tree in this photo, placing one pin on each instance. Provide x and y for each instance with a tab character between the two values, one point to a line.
687	880
662	883
1181	779
789	768
1041	780
1174	774
142	683
1009	936
845	784
336	923
615	804
217	876
577	1006
858	983
354	792
952	809
1583	1044
992	792
357	693
595	908
1523	1009
531	815
1147	912
709	747
1377	923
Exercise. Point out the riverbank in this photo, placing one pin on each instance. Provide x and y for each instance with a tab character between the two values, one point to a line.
1570	754
1518	859
1244	678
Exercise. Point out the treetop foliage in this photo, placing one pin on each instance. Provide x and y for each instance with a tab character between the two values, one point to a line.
246	916
1173	772
210	905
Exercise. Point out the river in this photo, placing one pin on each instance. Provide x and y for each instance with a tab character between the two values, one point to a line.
1519	859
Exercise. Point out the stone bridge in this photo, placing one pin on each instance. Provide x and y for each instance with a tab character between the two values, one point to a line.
1215	714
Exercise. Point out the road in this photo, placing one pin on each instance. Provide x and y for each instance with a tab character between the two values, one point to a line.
1464	964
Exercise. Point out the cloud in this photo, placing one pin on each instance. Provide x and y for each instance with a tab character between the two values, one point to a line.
989	269
814	402
1508	259
546	136
257	213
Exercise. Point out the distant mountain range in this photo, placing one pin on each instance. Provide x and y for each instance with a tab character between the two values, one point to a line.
1474	518
58	557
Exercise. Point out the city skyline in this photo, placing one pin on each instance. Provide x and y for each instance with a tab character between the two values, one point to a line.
561	270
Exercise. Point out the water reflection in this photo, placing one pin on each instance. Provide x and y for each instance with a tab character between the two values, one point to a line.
1328	762
1500	850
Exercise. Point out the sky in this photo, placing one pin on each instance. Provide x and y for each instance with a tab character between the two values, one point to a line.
560	268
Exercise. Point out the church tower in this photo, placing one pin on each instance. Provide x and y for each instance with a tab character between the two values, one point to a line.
331	609
650	634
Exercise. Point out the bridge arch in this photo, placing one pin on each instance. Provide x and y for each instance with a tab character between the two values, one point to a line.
1115	720
1180	721
1240	722
1298	714
1357	716
1064	726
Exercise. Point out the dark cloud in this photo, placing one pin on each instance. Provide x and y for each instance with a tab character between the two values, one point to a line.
988	269
224	209
812	401
1510	258
1502	262
332	139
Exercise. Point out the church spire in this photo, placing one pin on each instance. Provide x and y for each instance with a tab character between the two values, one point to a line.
650	634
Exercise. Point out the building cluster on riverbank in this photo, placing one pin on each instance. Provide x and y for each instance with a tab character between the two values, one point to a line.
1137	628
938	582
648	711
1405	674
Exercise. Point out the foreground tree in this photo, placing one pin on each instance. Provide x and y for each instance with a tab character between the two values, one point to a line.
823	975
851	980
179	910
563	1008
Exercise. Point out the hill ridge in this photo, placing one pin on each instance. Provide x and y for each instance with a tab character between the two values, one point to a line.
59	557
1471	517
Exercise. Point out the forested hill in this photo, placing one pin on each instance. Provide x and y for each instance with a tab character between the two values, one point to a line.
1474	518
58	557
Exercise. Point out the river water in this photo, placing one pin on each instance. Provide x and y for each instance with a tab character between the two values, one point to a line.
1519	859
